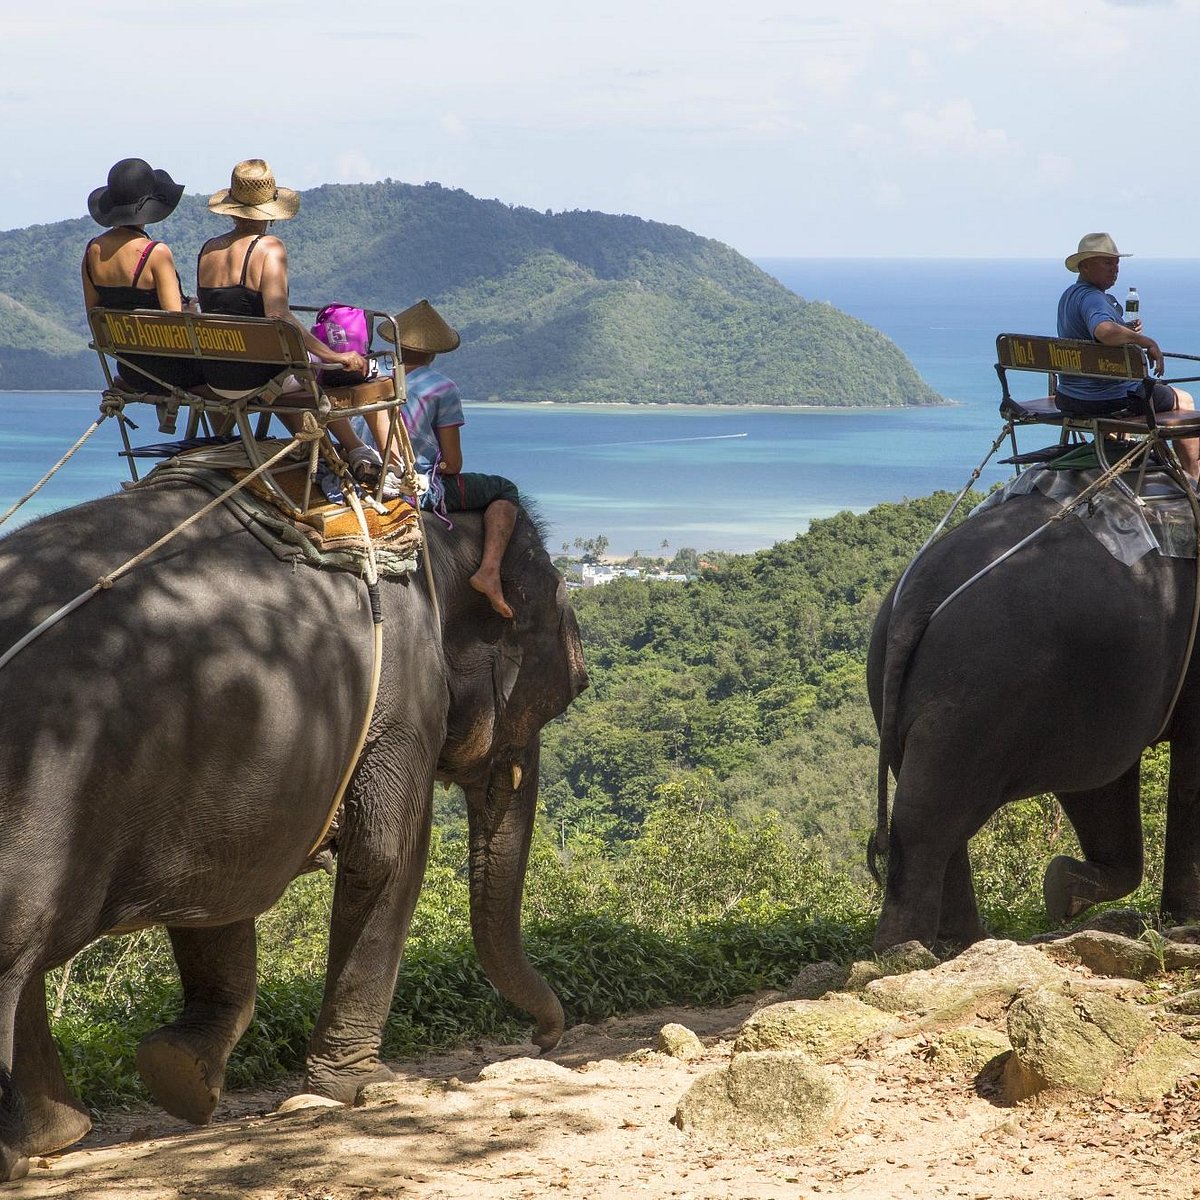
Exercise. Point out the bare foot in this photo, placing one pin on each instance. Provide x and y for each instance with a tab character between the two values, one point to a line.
488	584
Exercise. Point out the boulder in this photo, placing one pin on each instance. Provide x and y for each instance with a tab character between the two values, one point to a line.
988	969
763	1098
861	973
1072	1038
678	1041
823	1028
813	980
1159	1067
1179	956
1107	954
906	957
528	1069
967	1049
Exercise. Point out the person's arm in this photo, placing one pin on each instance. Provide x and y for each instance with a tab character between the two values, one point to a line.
450	443
91	298
161	266
1110	333
274	288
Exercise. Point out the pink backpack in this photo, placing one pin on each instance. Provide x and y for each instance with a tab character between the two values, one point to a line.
342	328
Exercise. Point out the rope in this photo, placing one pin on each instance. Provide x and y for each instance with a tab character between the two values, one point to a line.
106	410
1102	481
106	581
376	668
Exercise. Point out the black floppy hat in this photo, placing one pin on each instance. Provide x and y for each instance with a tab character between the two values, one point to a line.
136	194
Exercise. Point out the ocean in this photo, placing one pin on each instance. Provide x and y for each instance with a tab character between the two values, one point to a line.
738	479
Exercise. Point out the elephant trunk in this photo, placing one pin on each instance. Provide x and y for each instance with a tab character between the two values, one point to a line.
500	817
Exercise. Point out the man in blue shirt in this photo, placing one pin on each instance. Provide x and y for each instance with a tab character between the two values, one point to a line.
1086	310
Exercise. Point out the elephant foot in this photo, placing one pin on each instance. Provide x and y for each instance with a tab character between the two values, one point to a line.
343	1083
179	1077
1070	887
13	1164
53	1125
550	1027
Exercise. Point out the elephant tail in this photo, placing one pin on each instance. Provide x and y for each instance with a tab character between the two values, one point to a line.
899	648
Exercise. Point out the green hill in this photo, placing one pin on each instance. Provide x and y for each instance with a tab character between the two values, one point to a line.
573	306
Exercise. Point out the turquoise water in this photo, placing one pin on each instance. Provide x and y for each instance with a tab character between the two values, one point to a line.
726	479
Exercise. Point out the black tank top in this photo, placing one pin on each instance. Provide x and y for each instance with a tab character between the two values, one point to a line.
236	300
124	296
181	372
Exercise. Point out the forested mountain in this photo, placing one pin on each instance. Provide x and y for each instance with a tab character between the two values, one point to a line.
571	306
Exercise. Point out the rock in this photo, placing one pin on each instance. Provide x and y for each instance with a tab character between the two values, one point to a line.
862	973
305	1101
906	957
770	1097
1178	956
1072	1038
527	1068
1185	1002
987	969
968	1049
812	981
678	1041
1106	954
1159	1067
1126	921
391	1091
824	1028
579	1033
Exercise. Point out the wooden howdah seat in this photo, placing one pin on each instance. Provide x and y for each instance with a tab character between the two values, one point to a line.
124	338
1051	356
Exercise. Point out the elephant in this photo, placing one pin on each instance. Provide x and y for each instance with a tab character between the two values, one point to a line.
1049	672
168	755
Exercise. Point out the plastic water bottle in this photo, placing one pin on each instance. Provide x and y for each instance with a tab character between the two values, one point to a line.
1132	307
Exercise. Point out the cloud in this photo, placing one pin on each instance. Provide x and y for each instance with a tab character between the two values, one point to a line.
952	129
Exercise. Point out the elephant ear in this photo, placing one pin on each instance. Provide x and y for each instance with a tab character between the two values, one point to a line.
506	668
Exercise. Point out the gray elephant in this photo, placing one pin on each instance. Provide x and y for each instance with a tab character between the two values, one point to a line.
169	750
1052	672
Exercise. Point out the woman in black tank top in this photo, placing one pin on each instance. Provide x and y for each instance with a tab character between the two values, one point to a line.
124	268
244	272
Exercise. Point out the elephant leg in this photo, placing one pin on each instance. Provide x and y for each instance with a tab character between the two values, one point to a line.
14	1161
500	817
183	1063
928	890
1108	823
53	1117
1181	858
959	925
381	860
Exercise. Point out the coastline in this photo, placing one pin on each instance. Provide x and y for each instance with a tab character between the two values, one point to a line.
624	406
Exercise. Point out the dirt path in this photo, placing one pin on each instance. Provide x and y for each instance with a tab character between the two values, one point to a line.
591	1121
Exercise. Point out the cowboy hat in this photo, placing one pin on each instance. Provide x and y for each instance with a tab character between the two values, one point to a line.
421	329
136	194
1094	245
253	193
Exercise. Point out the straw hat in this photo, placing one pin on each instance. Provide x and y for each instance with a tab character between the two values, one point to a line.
253	193
136	194
421	329
1094	245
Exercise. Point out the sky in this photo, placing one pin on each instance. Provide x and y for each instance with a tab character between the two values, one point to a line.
790	128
